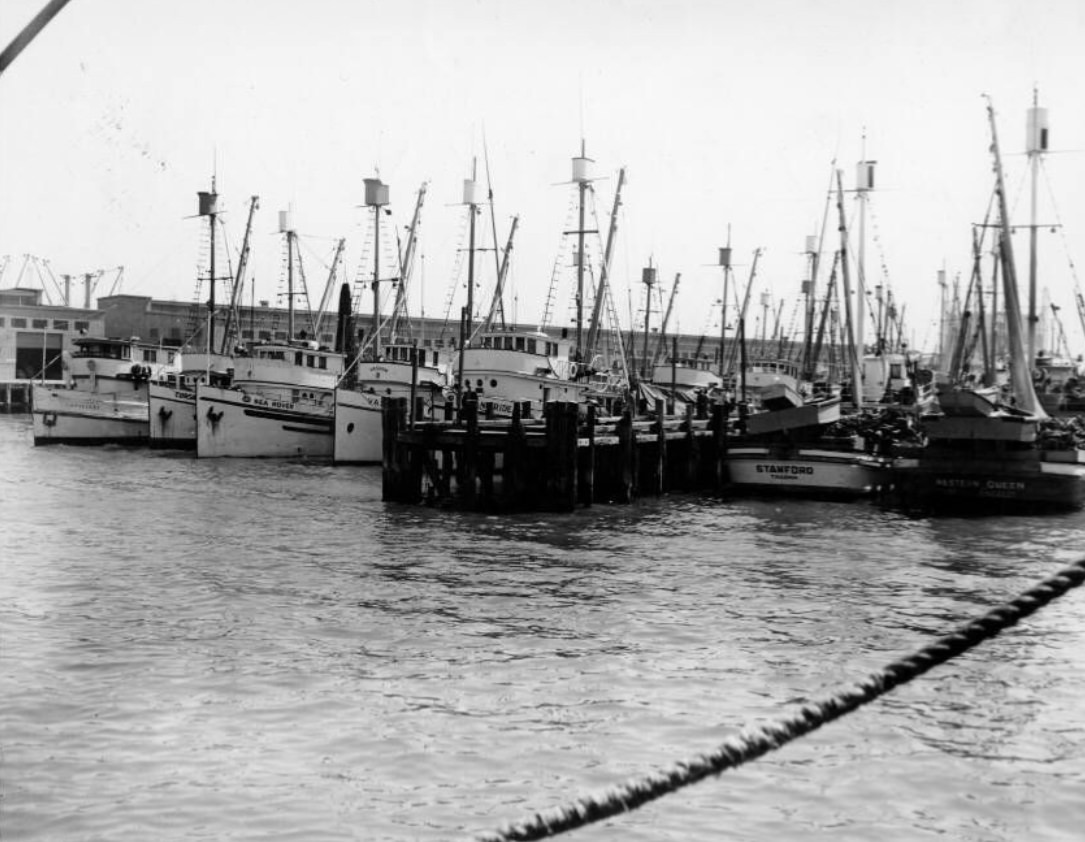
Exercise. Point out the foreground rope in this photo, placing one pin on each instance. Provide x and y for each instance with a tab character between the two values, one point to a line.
753	744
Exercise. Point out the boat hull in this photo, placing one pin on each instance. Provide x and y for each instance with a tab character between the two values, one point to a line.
987	485
234	423
807	472
72	416
358	437
172	417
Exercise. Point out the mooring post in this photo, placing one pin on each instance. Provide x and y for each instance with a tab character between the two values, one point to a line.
469	454
512	471
414	386
561	419
627	449
660	484
586	461
392	412
720	413
692	451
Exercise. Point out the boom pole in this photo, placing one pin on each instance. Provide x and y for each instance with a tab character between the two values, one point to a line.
233	317
604	274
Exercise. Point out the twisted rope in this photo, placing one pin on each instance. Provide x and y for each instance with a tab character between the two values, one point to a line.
753	744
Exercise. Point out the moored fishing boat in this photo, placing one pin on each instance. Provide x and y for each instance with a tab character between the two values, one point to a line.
505	367
403	371
281	397
107	398
172	402
280	404
383	370
983	454
795	447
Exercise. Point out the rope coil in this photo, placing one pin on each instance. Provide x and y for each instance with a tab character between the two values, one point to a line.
750	745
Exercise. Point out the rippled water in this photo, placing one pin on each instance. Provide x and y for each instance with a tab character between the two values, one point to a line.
251	650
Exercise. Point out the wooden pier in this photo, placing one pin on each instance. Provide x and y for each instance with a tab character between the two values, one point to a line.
15	396
571	457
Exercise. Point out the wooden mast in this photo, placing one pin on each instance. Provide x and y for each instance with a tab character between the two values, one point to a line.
853	352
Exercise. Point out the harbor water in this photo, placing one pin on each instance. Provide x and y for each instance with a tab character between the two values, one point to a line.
262	650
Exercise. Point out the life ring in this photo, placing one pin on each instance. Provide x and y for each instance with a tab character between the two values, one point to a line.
49	419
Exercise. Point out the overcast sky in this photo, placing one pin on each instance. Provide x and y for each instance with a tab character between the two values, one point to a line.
726	115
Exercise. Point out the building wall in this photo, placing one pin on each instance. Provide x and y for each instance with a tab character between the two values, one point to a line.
172	323
33	335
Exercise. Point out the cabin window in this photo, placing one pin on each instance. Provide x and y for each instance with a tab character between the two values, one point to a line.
82	325
41	324
895	371
435	355
532	346
310	360
150	356
61	324
170	356
298	356
246	334
265	335
519	343
280	335
324	362
493	384
17	322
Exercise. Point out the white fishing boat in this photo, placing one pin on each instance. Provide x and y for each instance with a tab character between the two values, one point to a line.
789	449
790	444
281	397
280	404
808	471
506	367
106	401
384	371
173	400
358	409
687	374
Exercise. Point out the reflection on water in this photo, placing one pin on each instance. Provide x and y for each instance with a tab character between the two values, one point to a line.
248	649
